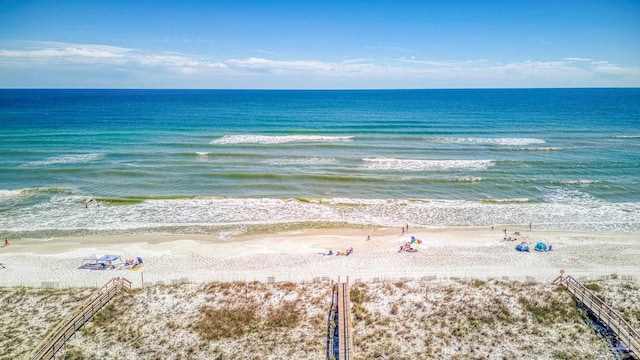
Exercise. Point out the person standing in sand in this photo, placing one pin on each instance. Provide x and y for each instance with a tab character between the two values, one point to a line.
6	242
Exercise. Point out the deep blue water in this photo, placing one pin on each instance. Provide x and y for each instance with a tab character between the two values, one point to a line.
218	160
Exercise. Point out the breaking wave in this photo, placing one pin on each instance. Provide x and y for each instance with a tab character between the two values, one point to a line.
394	164
486	141
68	159
269	140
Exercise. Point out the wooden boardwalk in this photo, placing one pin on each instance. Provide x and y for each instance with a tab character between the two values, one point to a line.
59	335
339	327
628	336
344	321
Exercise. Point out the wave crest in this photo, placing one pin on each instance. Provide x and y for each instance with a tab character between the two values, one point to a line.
486	141
578	182
302	161
281	139
67	159
424	165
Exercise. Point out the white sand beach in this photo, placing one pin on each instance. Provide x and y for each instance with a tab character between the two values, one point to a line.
434	303
297	256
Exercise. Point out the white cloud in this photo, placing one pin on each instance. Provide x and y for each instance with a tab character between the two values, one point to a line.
576	59
139	68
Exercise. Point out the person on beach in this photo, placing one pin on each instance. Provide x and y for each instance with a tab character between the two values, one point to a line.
403	230
368	237
6	242
86	205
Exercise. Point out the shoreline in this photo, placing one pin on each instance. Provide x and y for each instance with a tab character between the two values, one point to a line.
466	252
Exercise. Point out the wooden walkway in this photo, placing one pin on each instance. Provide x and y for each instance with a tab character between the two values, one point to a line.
607	315
344	321
59	335
339	327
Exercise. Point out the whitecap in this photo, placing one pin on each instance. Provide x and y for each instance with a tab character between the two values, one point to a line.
270	140
625	137
469	179
67	159
578	182
301	161
393	164
570	196
9	193
487	141
542	148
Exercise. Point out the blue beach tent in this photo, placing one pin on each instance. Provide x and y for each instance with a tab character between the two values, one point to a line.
522	247
540	246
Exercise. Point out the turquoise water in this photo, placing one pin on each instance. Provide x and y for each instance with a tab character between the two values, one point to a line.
216	161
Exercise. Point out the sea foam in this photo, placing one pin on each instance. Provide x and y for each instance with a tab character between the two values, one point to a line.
568	210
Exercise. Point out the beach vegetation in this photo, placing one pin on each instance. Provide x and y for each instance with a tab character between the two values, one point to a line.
105	315
287	315
593	287
227	322
71	353
552	310
426	320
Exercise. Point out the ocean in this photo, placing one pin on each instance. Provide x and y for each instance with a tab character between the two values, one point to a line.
225	162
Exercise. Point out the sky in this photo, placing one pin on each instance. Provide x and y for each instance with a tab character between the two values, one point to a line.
319	44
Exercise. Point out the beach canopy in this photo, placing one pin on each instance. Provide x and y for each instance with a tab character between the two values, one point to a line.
522	247
415	241
540	246
111	258
93	262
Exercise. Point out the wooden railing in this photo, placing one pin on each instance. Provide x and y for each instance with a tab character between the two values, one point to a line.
626	334
332	323
59	335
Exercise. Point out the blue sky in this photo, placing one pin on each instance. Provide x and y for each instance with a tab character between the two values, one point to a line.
319	44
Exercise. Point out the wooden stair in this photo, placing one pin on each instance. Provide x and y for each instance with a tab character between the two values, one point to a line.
606	314
59	335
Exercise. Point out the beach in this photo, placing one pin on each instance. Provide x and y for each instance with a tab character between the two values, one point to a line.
300	255
465	293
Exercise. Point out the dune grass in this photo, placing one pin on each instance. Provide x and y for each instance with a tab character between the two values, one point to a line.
457	319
